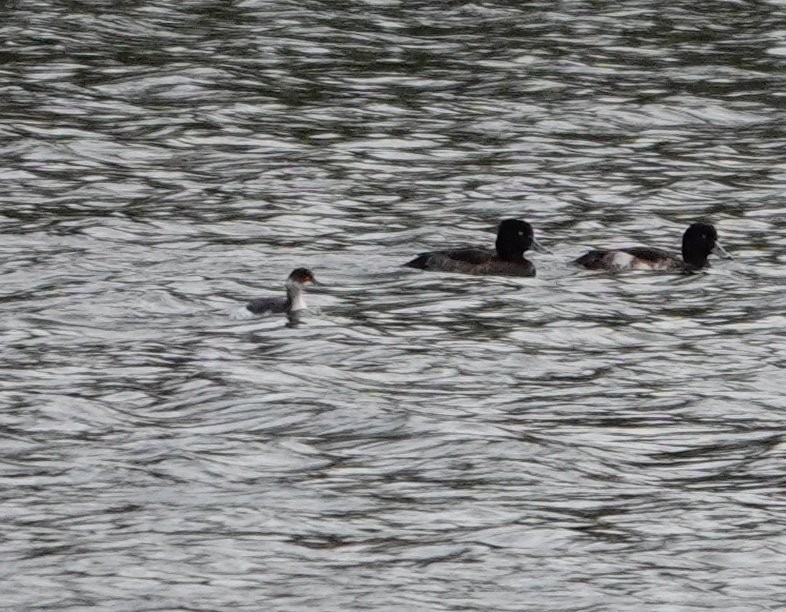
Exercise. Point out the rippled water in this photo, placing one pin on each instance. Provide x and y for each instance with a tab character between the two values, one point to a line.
576	441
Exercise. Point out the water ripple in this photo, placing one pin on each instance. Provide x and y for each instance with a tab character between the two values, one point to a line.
575	441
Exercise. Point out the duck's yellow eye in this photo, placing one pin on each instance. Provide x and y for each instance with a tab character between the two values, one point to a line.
521	233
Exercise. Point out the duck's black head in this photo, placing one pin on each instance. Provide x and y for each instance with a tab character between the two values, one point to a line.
698	241
514	236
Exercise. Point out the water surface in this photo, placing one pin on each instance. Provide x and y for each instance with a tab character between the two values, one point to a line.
575	442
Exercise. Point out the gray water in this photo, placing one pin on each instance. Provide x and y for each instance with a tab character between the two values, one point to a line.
576	441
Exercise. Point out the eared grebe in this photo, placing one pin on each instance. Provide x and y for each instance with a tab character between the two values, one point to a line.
296	284
513	238
698	241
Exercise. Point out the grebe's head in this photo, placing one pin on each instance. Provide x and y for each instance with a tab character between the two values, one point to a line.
300	277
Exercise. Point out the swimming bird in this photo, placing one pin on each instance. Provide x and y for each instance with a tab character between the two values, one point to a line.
514	236
295	285
698	242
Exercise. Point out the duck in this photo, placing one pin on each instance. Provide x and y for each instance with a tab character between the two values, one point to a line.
293	303
698	242
514	237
